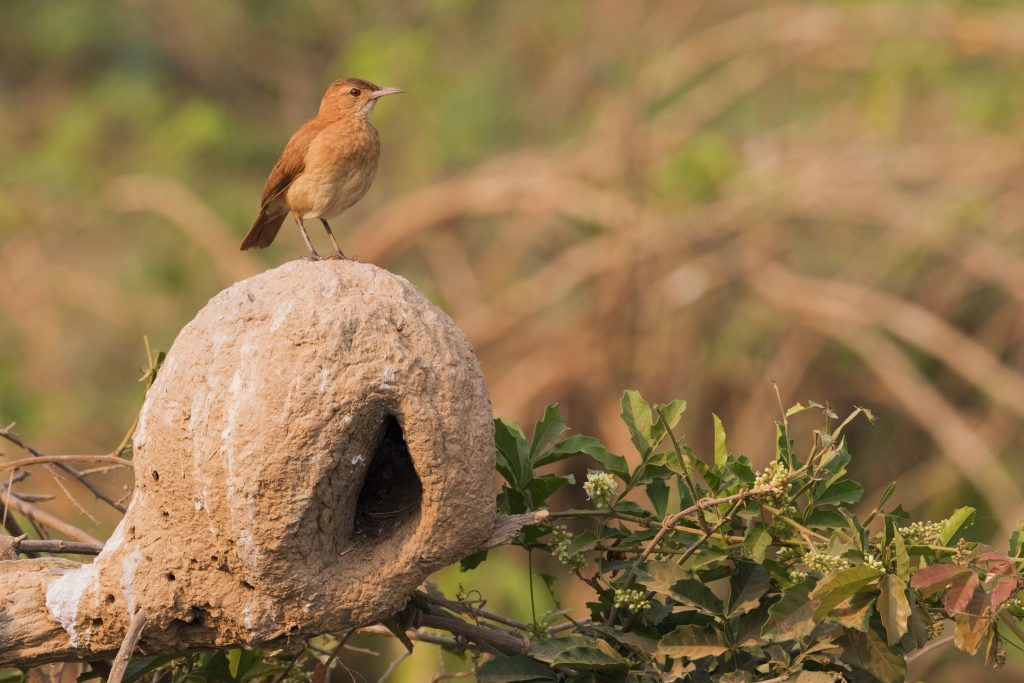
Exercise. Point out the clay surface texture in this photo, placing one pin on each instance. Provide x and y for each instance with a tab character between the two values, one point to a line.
318	441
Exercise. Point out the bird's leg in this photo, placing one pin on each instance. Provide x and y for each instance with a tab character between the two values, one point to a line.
313	256
337	250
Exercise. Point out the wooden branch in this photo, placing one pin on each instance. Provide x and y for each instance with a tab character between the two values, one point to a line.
506	642
507	527
47	520
52	459
6	433
124	654
58	546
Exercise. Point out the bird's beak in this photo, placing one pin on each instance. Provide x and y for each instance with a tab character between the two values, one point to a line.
385	91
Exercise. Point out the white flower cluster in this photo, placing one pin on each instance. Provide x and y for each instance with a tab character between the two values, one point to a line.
600	488
825	563
562	537
774	476
921	533
871	561
632	599
796	576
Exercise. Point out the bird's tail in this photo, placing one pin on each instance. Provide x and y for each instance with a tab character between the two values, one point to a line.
264	229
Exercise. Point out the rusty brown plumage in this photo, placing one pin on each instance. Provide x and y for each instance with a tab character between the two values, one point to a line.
326	167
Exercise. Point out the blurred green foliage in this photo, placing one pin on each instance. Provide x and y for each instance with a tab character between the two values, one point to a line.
607	194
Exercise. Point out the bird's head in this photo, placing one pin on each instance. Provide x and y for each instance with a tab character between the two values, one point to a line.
352	96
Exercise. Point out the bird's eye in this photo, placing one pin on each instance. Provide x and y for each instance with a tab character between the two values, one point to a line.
355	92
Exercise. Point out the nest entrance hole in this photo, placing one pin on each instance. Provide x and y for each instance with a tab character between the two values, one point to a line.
391	491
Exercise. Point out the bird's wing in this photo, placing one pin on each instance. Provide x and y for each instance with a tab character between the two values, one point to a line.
291	163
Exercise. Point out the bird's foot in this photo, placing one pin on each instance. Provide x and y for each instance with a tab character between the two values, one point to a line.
339	255
313	256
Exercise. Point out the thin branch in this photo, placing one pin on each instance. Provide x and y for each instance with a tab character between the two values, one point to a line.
37	516
737	499
49	459
10	436
685	468
465	607
493	639
58	546
419	636
124	653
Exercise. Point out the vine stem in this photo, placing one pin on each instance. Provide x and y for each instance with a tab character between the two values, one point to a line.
685	469
529	568
666	526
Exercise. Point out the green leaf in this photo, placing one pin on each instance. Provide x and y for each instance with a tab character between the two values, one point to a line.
867	651
635	641
512	460
844	491
1017	543
580	542
756	541
741	469
902	556
814	677
516	669
955	523
213	666
833	588
671	412
825	517
234	659
547	430
747	627
540	488
547	650
472	561
578	443
660	576
854	612
141	666
796	408
721	450
893	607
636	414
748	584
695	594
657	491
792	617
692	642
597	655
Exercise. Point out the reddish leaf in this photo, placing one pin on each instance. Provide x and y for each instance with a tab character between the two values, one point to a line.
960	593
1003	588
936	577
993	557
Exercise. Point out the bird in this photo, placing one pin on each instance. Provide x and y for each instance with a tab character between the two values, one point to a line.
326	167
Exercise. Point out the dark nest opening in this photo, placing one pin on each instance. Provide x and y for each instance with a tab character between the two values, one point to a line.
391	491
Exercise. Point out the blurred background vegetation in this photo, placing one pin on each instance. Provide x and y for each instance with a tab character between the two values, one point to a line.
687	197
